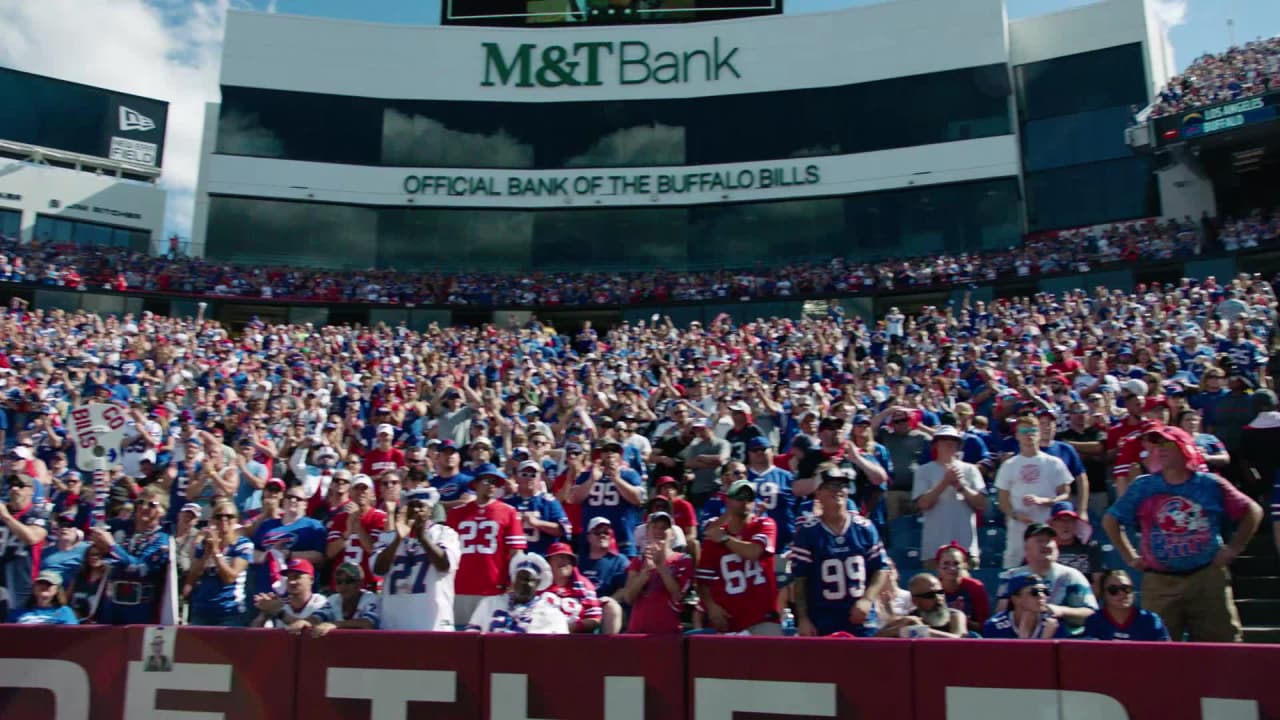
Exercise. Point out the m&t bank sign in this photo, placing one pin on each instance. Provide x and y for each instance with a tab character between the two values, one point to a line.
630	62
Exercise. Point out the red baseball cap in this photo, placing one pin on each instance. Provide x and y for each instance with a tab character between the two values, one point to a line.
561	549
300	565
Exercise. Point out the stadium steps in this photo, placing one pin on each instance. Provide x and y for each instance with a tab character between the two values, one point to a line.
1256	583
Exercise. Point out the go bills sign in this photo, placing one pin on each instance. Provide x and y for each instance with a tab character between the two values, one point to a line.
630	62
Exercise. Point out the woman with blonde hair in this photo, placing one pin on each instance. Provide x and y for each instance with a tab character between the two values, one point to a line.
219	570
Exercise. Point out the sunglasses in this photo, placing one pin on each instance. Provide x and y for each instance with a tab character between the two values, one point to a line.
1028	431
900	421
1118	589
295	497
930	595
224	516
1038	592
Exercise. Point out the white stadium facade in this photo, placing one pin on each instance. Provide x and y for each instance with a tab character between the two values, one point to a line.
912	127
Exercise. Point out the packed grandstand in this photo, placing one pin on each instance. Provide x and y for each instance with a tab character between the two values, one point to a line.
1088	463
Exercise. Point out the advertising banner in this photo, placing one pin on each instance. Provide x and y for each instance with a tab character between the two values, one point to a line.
581	12
1216	119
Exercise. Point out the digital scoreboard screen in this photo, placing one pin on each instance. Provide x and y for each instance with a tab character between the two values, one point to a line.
1217	119
525	13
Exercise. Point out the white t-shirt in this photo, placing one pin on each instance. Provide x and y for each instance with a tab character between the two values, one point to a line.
1041	475
317	605
415	595
501	614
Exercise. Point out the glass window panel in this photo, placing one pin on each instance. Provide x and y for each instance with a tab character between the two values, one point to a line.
52	113
1091	194
900	112
1078	83
273	232
1076	139
459	239
10	223
618	238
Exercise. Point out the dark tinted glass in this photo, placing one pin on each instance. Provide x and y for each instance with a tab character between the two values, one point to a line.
965	217
1076	139
1091	194
902	112
1078	83
299	126
76	232
275	232
10	223
46	112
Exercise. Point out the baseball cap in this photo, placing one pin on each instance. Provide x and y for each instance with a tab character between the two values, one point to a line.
741	490
1063	508
448	446
192	508
597	522
609	446
701	423
664	480
488	470
482	440
1038	529
529	465
426	493
947	432
1134	386
274	483
837	475
50	576
1022	581
561	549
300	565
830	423
861	419
759	442
385	429
660	515
740	407
361	479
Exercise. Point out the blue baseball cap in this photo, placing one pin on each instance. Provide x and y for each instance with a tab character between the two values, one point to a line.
1063	508
759	442
488	470
1022	581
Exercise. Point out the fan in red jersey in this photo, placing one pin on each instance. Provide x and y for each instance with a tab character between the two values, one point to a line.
735	574
353	531
570	591
491	534
384	456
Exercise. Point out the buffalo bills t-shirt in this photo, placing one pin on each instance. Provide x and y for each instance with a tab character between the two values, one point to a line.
1180	524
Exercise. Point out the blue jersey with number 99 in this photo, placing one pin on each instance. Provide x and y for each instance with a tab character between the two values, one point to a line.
836	566
605	501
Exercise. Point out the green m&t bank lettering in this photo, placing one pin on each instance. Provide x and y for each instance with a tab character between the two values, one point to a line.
583	64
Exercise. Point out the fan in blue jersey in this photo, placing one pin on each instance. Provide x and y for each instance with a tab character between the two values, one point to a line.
1120	619
1028	616
280	538
837	558
773	489
24	526
453	484
544	519
613	492
138	564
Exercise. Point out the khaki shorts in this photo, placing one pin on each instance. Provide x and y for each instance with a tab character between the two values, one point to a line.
1200	604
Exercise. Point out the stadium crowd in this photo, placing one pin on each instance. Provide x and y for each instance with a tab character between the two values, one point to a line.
765	478
90	267
1240	72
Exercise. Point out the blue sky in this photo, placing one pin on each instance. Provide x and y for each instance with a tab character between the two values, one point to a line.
171	49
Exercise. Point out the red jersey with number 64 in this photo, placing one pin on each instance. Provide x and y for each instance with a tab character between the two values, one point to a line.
489	535
746	589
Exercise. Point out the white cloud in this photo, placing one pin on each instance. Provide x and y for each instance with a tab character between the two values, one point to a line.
166	49
1171	13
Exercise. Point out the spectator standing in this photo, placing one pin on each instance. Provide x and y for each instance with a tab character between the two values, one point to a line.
837	559
490	537
219	571
139	564
543	518
353	531
657	582
1178	512
906	446
950	494
736	577
1260	452
1076	548
419	560
86	588
453	484
66	553
1119	619
609	490
1089	442
744	430
281	537
26	527
1029	483
705	456
1066	452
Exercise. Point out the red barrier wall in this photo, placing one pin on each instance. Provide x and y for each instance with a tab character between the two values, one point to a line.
95	673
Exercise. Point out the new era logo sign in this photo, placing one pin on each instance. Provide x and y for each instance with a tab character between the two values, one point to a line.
134	120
